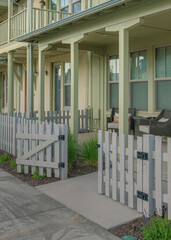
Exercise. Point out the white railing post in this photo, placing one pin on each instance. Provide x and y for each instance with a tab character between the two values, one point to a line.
64	152
10	13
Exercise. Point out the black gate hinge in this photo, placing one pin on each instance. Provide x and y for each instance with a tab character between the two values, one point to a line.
142	155
98	145
61	137
61	165
142	195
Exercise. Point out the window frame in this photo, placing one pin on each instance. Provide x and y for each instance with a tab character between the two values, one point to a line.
137	80
156	80
111	82
66	84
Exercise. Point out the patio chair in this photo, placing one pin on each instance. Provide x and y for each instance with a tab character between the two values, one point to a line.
160	126
114	125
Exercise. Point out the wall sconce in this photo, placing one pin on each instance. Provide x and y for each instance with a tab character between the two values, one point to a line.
46	72
36	73
42	2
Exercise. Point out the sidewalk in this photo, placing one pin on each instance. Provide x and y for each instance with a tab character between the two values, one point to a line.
27	214
80	194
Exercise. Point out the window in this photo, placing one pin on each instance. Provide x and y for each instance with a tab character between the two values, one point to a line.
163	77
67	84
114	81
139	83
76	6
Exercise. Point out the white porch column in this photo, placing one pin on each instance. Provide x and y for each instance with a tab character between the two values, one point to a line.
30	78
10	13
74	88
123	80
10	103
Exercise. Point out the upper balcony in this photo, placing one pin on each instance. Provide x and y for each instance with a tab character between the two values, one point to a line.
31	18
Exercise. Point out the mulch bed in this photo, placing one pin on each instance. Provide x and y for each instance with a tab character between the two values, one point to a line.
80	168
133	228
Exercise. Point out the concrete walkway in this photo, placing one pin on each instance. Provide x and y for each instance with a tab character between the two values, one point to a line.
80	194
27	214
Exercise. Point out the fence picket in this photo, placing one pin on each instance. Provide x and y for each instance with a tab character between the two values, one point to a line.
131	202
64	152
122	169
100	163
139	173
169	177
26	143
114	159
107	164
57	150
49	150
159	174
148	176
14	131
19	142
41	153
33	145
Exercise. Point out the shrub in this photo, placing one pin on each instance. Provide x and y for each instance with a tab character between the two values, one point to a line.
72	150
157	228
13	164
37	176
22	169
4	158
89	151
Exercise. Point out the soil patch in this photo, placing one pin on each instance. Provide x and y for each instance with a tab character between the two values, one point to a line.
78	169
133	228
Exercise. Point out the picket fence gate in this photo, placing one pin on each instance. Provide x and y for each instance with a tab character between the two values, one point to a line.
62	117
36	145
139	178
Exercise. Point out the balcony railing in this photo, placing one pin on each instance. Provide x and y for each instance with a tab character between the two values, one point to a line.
18	22
4	32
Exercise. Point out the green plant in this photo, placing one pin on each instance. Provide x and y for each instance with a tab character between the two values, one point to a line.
22	169
4	158
13	164
89	151
157	228
37	176
72	150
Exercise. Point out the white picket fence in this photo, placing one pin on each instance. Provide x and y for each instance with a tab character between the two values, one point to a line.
139	177
62	117
36	145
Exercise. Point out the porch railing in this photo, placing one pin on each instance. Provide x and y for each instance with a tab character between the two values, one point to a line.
18	24
43	17
4	32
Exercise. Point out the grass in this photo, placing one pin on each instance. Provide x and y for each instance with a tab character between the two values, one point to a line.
37	176
13	164
4	158
72	150
89	151
157	228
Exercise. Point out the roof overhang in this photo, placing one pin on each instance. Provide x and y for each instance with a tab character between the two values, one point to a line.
29	37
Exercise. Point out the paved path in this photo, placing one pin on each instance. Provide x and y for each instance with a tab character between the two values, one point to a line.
80	194
27	214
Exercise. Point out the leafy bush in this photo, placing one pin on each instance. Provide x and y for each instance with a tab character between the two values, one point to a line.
157	228
4	158
72	150
89	151
37	176
13	164
22	169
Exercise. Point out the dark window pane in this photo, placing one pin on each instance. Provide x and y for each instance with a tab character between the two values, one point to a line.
140	95
160	63
163	95
168	61
142	65
114	95
76	7
68	96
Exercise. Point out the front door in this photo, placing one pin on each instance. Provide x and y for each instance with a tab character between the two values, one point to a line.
57	86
